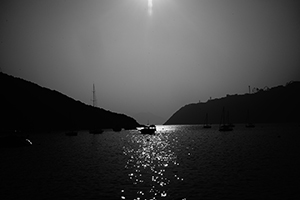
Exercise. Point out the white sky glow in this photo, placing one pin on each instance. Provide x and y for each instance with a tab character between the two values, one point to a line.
150	5
144	60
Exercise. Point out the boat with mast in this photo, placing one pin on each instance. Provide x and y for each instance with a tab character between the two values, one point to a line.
95	129
224	126
249	123
206	124
228	121
71	133
117	128
71	126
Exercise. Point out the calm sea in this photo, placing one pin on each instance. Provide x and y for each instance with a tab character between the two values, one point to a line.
179	162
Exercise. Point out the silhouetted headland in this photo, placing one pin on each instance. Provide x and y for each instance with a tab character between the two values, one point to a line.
276	105
28	106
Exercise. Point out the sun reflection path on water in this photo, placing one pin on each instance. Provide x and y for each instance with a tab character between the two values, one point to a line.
151	164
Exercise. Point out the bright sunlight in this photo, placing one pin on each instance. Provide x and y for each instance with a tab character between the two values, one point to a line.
150	5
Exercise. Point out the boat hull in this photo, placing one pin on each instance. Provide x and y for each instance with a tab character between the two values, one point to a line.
96	131
249	125
148	131
206	126
225	128
71	133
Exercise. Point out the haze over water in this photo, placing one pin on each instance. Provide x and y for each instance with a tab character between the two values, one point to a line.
179	162
150	55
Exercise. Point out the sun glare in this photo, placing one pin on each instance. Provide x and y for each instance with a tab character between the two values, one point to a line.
150	5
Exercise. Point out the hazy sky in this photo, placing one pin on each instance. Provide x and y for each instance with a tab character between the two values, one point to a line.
156	59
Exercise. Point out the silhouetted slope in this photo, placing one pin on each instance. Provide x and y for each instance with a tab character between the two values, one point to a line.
25	105
278	104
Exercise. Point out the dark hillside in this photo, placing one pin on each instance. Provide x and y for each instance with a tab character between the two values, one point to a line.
275	105
25	105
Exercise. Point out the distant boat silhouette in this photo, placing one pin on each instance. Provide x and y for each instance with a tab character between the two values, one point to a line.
148	129
228	121
117	129
95	130
206	124
249	123
223	125
71	133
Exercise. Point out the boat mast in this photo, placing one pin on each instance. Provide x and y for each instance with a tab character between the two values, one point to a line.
94	97
206	119
222	121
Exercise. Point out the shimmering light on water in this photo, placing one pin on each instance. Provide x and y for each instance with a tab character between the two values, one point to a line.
181	162
151	163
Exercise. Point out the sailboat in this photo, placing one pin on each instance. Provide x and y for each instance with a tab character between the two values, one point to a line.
228	121
224	126
95	130
249	124
206	124
117	128
71	133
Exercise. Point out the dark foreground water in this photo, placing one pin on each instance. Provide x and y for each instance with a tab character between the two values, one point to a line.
180	162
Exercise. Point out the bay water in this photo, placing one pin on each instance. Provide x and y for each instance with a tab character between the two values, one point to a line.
179	162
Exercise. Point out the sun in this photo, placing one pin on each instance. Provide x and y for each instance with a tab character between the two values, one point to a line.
150	6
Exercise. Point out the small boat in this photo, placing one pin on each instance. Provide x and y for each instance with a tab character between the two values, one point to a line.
148	129
206	125
116	129
71	133
224	126
228	121
96	131
249	123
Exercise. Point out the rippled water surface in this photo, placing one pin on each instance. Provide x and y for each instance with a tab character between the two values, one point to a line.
179	162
